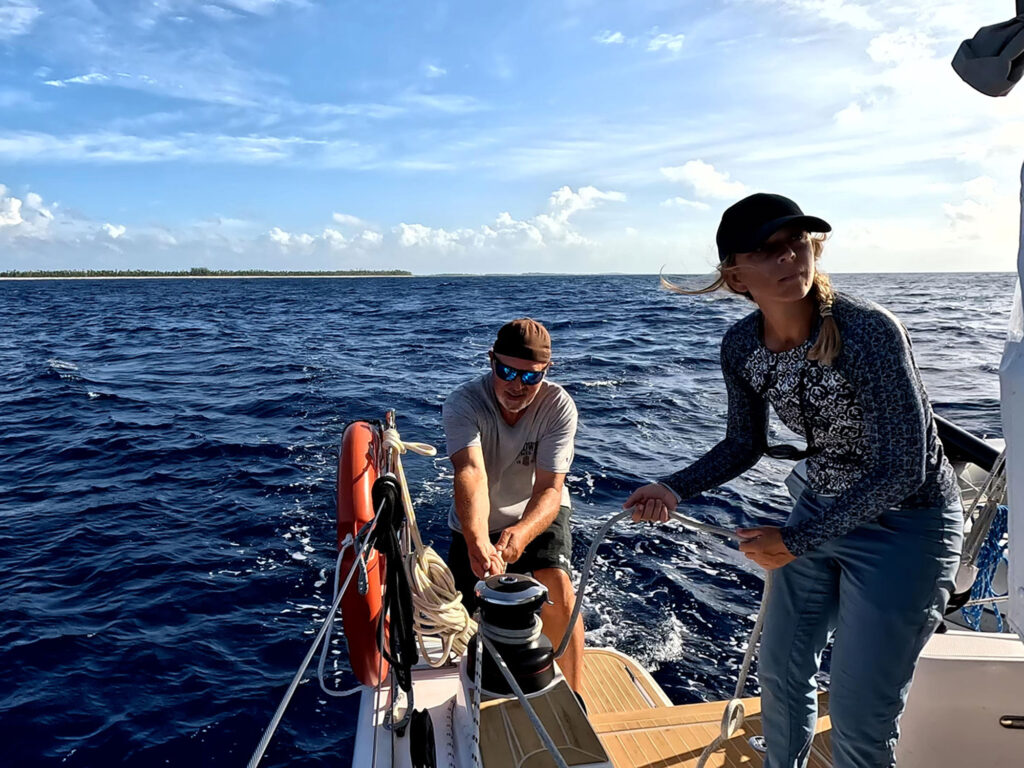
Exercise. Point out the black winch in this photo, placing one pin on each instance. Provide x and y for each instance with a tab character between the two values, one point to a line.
510	606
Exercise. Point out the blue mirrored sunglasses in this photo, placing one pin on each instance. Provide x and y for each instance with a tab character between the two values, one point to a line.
508	373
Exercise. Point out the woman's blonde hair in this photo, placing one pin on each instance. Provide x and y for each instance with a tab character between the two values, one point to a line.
829	344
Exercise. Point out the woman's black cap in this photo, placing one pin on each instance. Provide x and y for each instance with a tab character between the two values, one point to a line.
747	224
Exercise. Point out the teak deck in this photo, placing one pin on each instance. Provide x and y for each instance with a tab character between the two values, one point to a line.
639	729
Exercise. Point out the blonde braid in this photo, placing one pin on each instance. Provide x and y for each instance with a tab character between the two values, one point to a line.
829	344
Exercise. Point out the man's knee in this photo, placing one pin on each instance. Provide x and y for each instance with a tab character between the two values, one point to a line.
560	590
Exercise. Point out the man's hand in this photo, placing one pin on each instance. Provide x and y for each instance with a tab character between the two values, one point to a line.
652	503
484	559
511	544
764	546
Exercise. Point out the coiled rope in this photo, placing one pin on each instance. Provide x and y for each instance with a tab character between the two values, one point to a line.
437	605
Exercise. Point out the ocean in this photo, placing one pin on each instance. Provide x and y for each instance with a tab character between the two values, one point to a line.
167	484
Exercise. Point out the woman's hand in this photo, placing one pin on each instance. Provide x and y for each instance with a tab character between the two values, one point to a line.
652	503
764	546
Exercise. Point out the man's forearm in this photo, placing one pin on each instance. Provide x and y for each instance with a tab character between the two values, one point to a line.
540	513
472	505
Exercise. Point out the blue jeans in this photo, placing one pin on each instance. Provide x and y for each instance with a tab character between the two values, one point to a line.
881	589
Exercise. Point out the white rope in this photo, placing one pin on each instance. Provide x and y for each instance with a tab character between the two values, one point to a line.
732	717
477	680
268	734
439	611
515	636
361	563
437	605
538	726
588	564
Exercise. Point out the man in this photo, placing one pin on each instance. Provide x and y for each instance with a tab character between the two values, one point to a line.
510	437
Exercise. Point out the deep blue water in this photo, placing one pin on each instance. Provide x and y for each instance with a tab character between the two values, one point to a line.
167	472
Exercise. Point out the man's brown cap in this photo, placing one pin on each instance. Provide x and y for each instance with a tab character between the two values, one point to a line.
524	338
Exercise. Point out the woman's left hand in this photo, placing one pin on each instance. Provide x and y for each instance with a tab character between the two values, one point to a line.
764	546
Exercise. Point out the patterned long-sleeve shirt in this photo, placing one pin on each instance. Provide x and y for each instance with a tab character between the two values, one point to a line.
867	415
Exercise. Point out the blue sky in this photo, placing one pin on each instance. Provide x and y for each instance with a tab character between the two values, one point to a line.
499	136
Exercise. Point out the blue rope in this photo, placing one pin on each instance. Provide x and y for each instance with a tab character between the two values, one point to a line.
992	552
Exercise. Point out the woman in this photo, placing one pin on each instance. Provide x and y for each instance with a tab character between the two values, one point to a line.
871	548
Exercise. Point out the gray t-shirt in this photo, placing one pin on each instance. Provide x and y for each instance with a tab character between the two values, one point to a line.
543	437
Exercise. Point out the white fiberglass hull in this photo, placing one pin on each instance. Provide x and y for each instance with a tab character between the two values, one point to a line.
966	684
1011	378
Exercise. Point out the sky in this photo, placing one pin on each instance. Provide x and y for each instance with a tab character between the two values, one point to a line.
476	137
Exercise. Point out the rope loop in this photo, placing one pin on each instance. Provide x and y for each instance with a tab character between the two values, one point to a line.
393	441
732	718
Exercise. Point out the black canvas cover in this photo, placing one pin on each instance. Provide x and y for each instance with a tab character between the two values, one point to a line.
993	60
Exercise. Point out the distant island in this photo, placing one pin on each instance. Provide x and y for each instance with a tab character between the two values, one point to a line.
199	272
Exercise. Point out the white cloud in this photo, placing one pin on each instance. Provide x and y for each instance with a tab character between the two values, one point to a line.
515	233
901	46
17	18
983	187
563	203
93	78
413	235
447	103
610	38
28	216
981	212
840	12
114	231
289	239
279	236
164	238
333	238
434	71
976	230
672	43
682	202
153	12
347	220
10	209
217	12
705	180
116	147
550	228
853	114
34	202
262	7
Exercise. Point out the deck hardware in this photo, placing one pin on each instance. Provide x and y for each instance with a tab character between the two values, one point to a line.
639	687
1015	722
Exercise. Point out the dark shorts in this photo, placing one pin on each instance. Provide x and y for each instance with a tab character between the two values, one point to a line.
551	549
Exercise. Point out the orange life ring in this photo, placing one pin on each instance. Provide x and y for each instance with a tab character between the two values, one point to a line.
361	614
